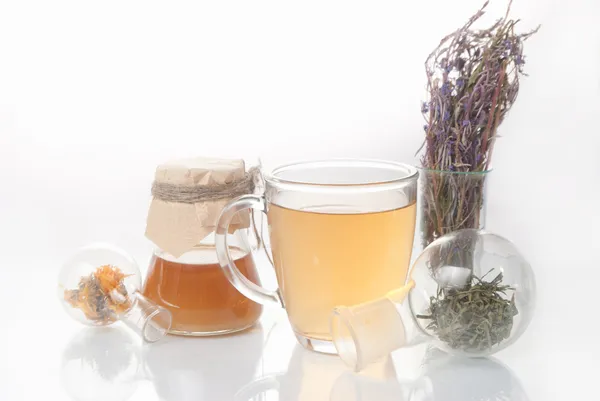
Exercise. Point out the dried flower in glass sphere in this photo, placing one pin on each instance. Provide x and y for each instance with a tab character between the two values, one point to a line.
101	296
97	284
100	284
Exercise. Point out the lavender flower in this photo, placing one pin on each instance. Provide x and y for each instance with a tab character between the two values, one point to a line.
520	60
488	64
467	107
446	89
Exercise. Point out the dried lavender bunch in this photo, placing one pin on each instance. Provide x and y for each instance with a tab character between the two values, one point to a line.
472	81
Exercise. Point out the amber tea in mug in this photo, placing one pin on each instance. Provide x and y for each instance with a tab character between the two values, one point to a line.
341	233
326	259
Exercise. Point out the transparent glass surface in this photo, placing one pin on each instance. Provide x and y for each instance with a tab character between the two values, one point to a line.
341	232
342	186
461	267
100	284
84	263
449	201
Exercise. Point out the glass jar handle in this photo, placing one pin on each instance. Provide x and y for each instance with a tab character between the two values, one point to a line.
236	278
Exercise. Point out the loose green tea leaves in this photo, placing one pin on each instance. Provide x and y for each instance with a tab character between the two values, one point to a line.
475	318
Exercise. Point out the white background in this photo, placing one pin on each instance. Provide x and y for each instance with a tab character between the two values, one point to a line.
93	95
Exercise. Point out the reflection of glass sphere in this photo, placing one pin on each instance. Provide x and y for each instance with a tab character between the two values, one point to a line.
450	378
100	364
95	284
474	292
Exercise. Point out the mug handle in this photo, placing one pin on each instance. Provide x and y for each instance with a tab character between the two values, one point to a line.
250	290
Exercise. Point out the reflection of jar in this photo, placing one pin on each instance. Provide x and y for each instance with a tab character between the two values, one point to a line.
214	369
184	274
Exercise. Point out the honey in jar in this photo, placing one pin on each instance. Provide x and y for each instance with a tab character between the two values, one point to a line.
197	293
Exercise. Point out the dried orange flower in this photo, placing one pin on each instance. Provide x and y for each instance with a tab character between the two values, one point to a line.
101	296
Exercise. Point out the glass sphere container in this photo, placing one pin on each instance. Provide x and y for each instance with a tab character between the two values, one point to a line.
470	293
474	292
100	285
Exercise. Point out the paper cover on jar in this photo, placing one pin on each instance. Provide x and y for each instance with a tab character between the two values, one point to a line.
188	196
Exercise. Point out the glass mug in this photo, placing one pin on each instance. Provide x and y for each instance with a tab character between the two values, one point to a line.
341	234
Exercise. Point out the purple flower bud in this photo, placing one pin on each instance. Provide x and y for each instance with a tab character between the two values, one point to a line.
460	83
465	123
424	108
446	115
446	89
448	68
520	60
425	127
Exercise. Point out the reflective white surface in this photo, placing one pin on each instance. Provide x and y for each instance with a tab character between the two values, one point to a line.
46	355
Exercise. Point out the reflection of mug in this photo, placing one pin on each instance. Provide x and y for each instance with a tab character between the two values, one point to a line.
314	377
308	377
341	234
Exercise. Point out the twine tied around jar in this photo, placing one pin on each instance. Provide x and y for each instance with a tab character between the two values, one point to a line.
184	193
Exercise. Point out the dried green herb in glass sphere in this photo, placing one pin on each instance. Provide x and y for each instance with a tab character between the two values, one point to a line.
474	318
474	292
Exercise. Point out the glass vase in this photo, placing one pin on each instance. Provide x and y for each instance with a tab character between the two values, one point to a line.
449	201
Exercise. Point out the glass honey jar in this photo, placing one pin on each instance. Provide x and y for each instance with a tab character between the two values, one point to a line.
184	275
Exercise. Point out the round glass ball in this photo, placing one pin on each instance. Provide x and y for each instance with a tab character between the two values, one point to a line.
474	292
96	283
